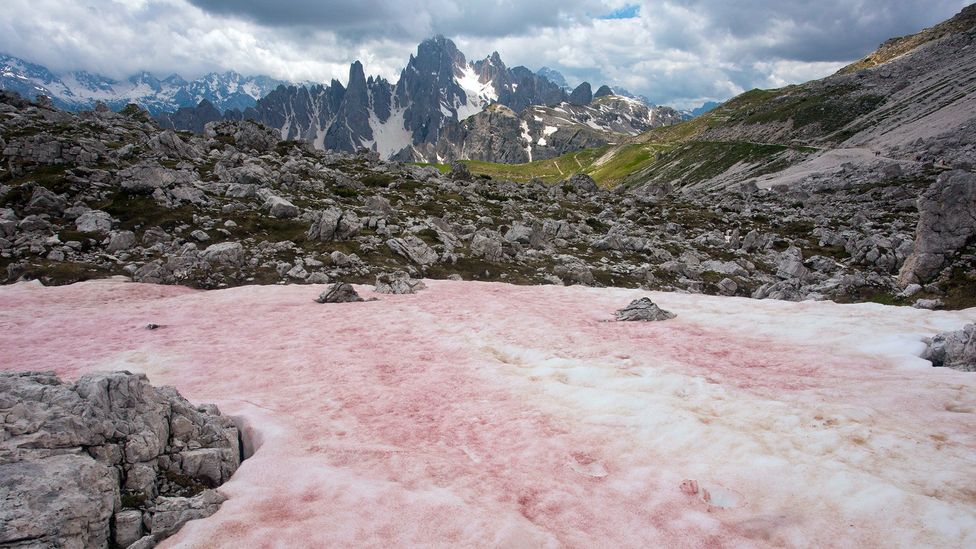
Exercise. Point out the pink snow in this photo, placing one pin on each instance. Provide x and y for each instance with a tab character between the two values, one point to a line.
475	414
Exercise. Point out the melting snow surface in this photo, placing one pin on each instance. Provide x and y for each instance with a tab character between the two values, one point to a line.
475	414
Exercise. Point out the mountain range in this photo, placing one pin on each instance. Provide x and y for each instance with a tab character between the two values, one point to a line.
437	111
80	90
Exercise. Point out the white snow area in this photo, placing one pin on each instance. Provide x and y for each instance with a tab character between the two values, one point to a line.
491	415
546	132
479	94
390	137
527	137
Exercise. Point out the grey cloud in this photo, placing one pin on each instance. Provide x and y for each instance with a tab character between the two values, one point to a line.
408	18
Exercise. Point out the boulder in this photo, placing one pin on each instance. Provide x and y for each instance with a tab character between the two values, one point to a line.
487	244
94	221
44	201
334	224
643	309
244	135
414	249
121	240
582	183
340	292
956	349
459	172
946	222
279	207
224	253
398	282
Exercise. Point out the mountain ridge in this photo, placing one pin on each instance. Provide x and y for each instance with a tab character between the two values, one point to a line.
81	90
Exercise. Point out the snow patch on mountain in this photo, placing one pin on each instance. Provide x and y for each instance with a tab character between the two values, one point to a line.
478	94
391	136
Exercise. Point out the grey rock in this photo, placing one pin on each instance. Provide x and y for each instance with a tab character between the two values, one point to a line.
487	244
398	282
33	223
954	349
224	253
727	286
582	183
643	309
44	201
340	292
574	271
947	220
94	221
279	207
246	135
200	236
169	514
64	447
414	249
122	240
379	205
459	172
334	224
128	527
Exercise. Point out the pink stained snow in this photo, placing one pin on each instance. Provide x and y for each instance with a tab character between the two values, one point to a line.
476	414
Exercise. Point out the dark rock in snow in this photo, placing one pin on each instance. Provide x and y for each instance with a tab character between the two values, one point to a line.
340	292
643	309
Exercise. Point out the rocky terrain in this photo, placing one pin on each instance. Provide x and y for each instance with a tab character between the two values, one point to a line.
101	193
106	461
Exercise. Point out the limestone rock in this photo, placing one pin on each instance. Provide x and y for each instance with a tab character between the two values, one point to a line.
76	458
398	282
956	350
225	253
947	220
94	221
643	309
414	249
340	292
279	207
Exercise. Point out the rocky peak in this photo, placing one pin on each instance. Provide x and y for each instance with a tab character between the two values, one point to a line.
604	91
582	95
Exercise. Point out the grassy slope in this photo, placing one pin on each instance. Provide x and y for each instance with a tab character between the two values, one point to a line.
774	129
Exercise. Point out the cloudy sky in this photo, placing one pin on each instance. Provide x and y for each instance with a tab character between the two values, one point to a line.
678	52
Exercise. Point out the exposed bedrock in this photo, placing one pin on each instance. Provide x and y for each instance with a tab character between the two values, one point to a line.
107	461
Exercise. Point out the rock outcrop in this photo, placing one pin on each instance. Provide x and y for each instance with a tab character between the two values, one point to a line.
106	461
340	292
643	309
956	349
398	282
946	223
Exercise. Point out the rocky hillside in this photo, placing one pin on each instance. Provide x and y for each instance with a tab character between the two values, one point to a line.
82	90
101	193
911	103
438	112
499	134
